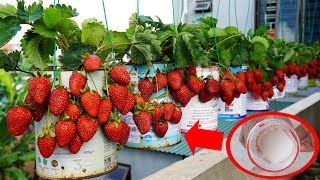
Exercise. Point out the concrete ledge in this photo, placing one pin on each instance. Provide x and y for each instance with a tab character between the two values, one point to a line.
208	164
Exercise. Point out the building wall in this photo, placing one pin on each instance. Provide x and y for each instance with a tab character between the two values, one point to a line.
222	13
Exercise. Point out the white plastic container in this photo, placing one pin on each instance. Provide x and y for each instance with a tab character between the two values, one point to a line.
273	145
207	112
303	83
318	82
95	158
277	93
291	87
256	104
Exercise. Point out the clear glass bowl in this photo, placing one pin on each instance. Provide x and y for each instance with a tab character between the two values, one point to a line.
273	145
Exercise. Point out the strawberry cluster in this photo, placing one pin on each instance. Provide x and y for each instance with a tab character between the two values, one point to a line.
255	84
313	69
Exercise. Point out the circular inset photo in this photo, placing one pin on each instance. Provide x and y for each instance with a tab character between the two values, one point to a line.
272	145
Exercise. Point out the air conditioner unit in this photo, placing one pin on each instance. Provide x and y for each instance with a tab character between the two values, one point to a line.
202	5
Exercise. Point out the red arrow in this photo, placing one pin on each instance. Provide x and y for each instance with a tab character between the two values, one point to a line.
201	138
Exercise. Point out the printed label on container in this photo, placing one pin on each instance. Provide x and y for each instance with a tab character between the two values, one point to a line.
207	113
97	156
150	139
234	111
303	82
291	84
256	105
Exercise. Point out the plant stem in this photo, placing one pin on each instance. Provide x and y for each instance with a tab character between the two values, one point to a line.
106	76
227	39
225	68
30	73
93	82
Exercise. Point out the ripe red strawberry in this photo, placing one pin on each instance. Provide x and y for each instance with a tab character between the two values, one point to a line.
251	86
90	101
191	71
176	116
38	110
236	94
146	88
18	120
168	110
257	91
120	75
77	82
279	73
249	75
194	84
124	136
267	85
212	86
59	100
131	101
46	145
75	144
86	128
241	87
241	76
160	128
143	121
258	75
113	130
183	95
118	95
73	111
271	93
291	68
105	108
227	75
158	112
285	69
274	80
159	82
205	97
227	87
202	84
65	131
280	87
92	63
175	79
39	88
264	95
228	100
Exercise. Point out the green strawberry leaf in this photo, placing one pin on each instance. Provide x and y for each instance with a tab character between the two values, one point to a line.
120	42
72	57
40	28
28	156
32	13
9	27
67	11
93	33
53	17
7	10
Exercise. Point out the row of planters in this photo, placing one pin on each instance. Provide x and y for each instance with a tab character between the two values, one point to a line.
139	88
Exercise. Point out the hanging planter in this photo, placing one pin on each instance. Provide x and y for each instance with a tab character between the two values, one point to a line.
237	110
303	83
196	110
291	87
150	140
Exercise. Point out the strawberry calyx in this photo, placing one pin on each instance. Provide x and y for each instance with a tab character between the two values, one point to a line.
115	118
46	131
